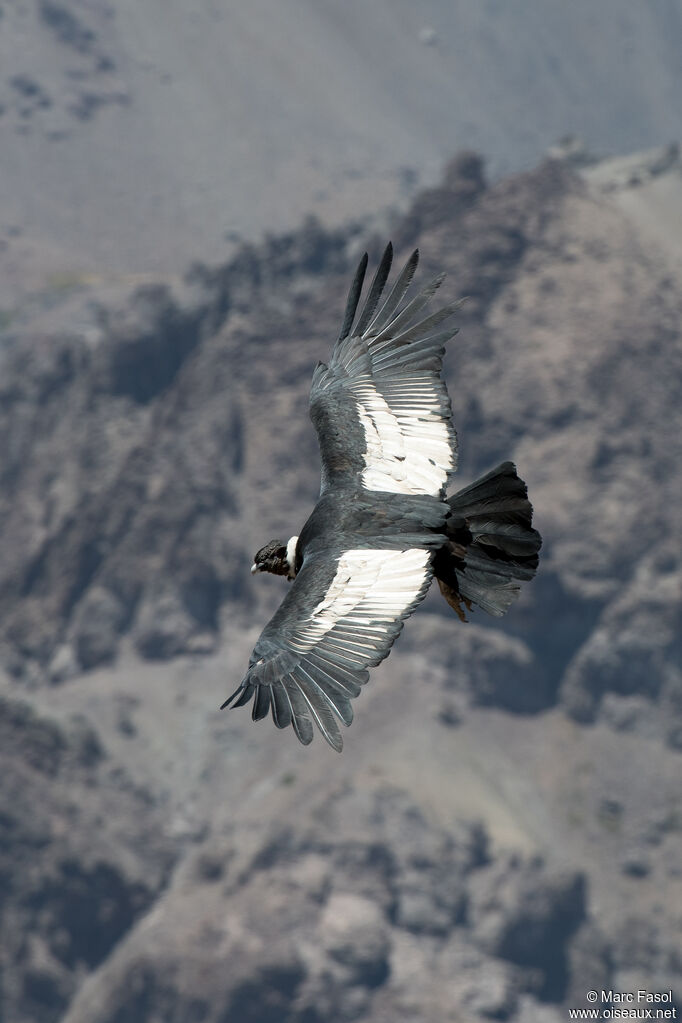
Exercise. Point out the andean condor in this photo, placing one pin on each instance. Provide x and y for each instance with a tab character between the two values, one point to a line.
383	526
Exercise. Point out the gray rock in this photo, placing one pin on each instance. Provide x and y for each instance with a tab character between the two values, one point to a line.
98	624
527	914
63	665
134	477
493	996
74	879
353	931
589	964
635	647
489	667
163	627
671	706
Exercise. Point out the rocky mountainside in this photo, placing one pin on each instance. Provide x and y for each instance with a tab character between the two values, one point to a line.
503	832
136	137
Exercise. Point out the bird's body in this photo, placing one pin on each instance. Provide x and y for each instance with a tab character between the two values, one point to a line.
383	525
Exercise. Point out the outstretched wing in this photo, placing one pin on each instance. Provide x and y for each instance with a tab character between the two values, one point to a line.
380	408
383	420
340	617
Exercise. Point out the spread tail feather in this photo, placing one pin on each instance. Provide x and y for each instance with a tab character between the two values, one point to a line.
491	543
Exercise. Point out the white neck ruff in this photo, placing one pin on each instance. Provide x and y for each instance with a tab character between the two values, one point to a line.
291	557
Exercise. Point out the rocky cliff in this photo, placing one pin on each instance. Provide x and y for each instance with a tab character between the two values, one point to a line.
503	832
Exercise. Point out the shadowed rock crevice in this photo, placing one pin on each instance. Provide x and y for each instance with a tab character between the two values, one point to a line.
74	880
147	344
147	993
267	997
83	913
528	915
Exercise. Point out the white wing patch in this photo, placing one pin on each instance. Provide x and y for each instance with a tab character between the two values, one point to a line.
372	589
410	443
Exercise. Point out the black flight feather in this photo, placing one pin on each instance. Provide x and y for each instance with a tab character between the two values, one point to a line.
261	704
396	295
281	708
340	703
246	694
299	719
380	278
320	710
408	313
341	680
422	328
353	298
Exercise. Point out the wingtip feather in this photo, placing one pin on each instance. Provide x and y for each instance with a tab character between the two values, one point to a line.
396	295
246	690
375	291
353	297
261	704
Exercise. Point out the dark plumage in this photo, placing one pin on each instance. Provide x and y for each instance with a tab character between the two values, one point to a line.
383	526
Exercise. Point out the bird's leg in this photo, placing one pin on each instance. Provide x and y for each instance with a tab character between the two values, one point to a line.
455	599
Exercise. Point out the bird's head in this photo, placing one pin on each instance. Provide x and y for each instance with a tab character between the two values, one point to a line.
277	557
271	558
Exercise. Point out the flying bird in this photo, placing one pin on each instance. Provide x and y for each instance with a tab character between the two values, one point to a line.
383	526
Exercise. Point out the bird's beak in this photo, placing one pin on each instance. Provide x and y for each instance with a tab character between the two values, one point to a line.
254	568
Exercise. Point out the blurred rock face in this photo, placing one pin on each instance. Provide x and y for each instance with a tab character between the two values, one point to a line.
511	787
94	99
